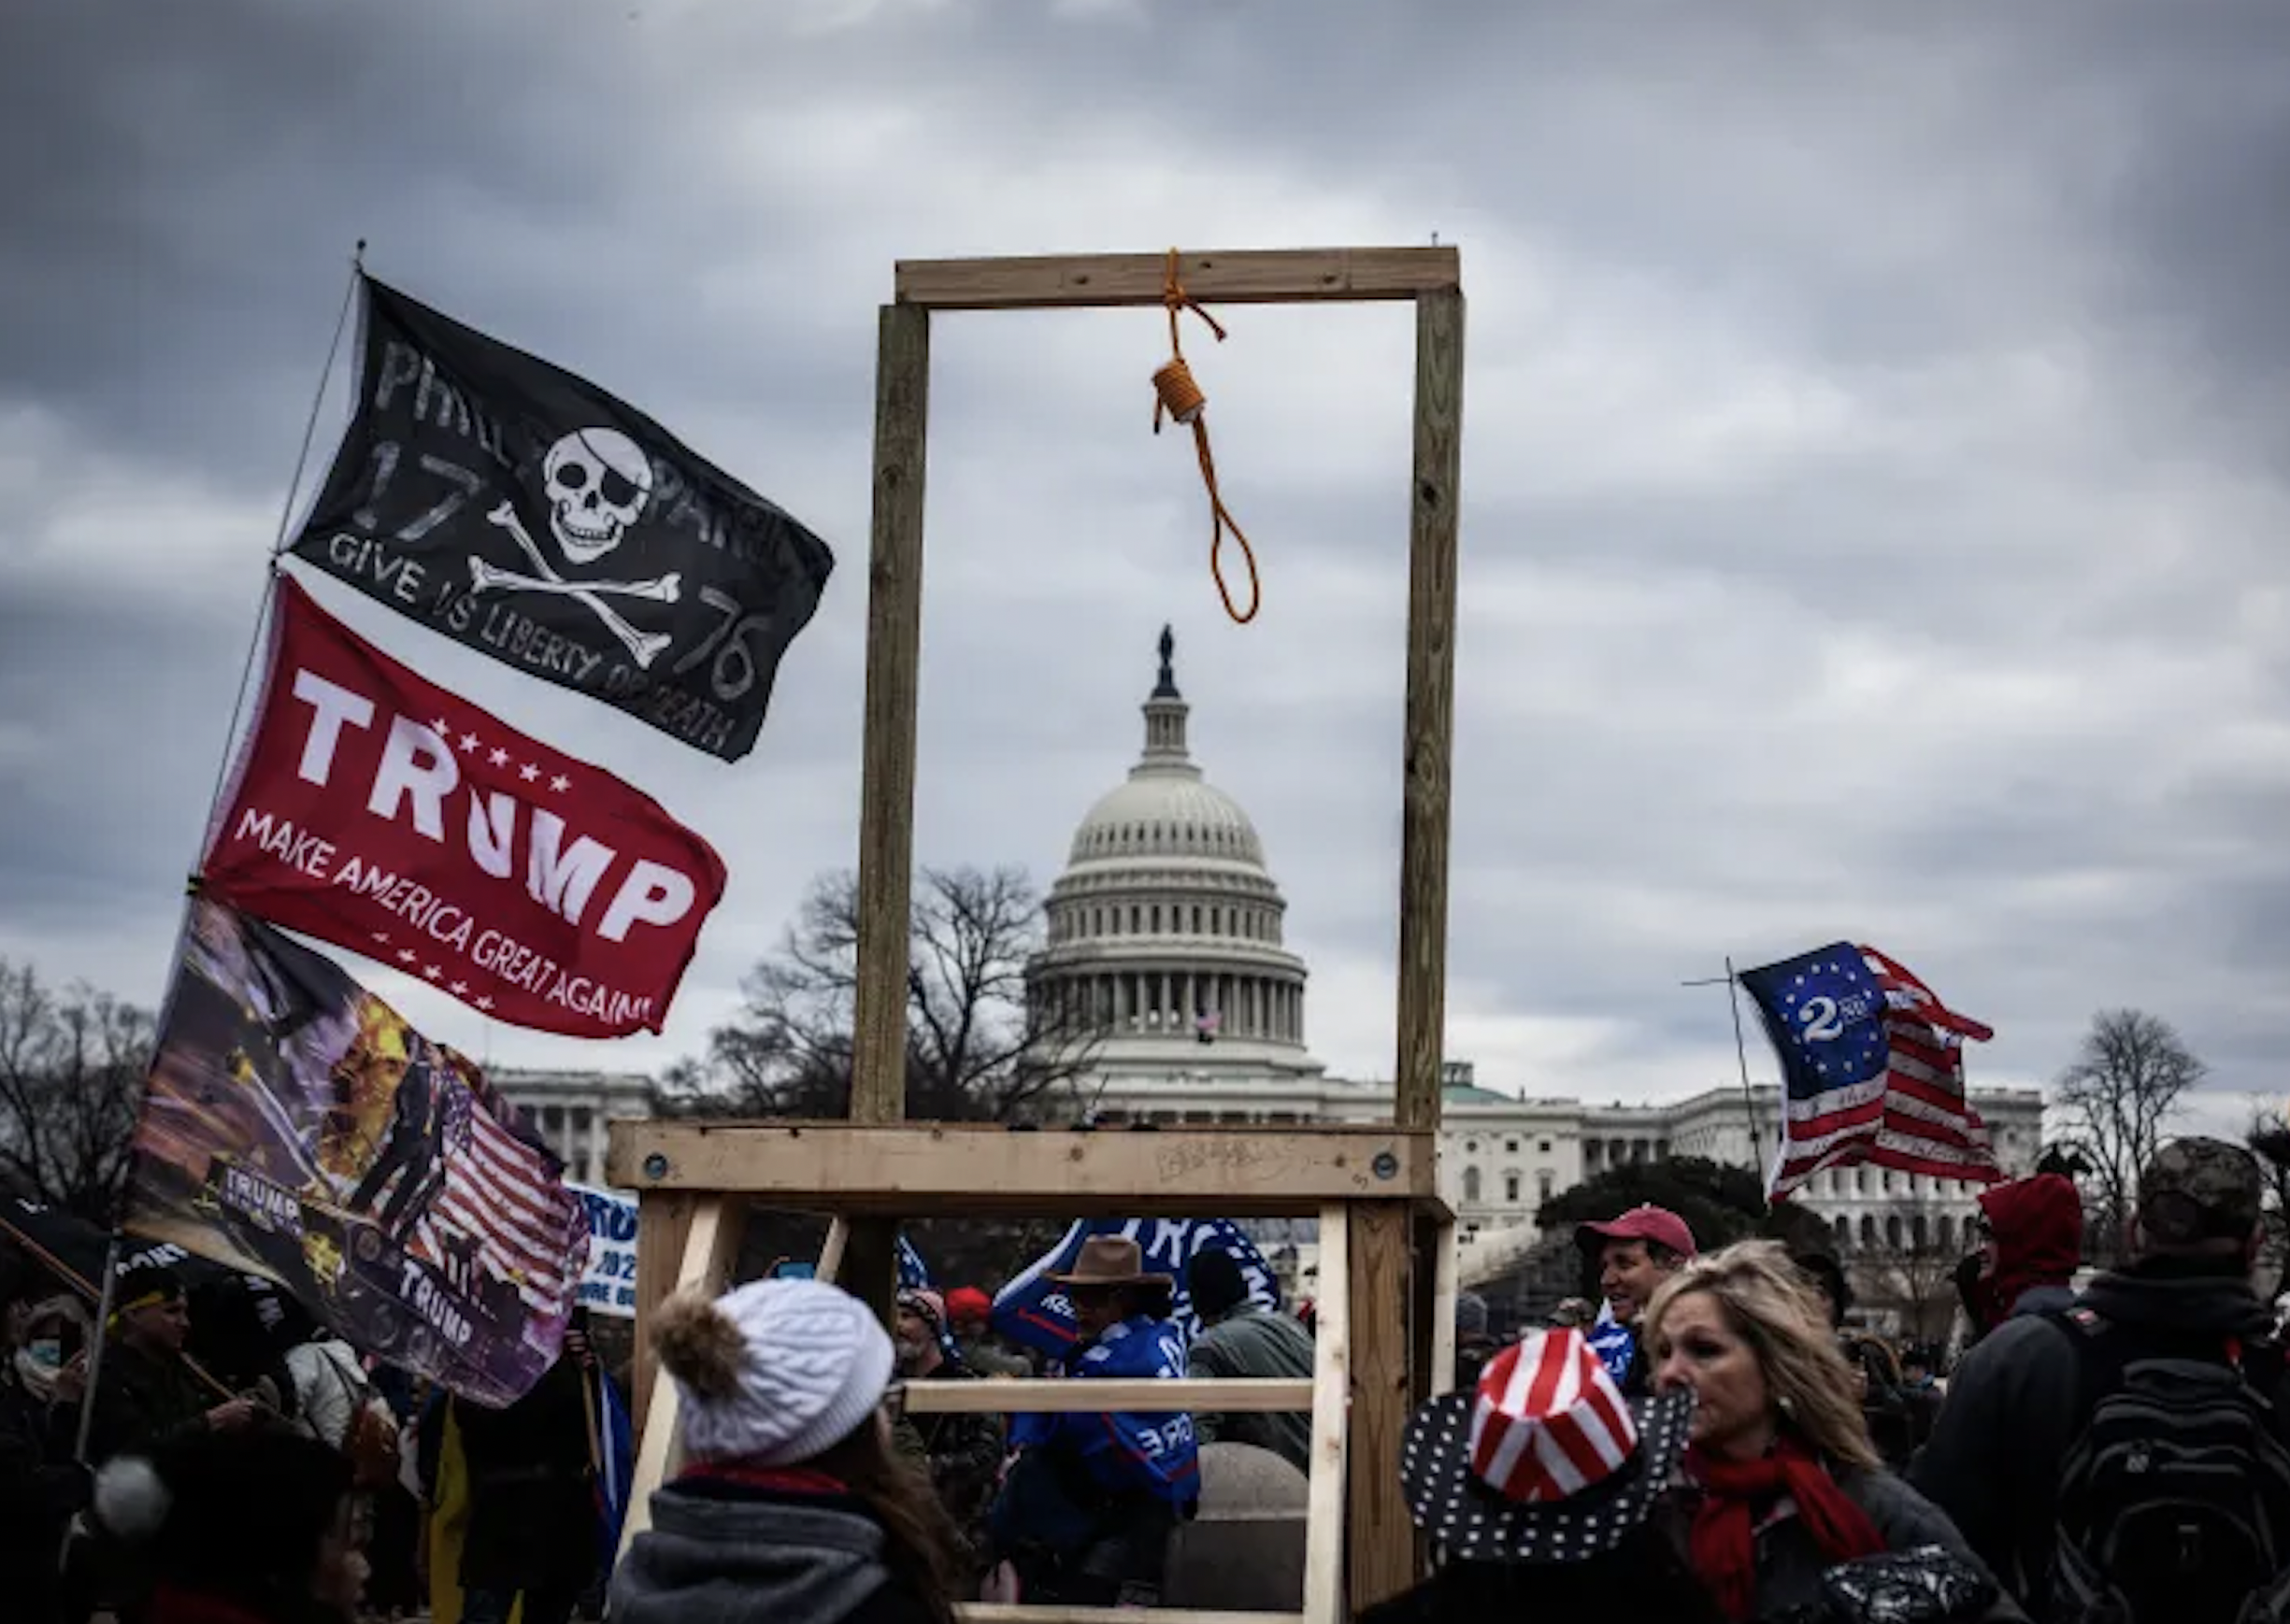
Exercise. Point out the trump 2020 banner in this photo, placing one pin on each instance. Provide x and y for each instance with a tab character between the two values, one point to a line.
381	813
608	1285
524	512
295	1127
1033	1312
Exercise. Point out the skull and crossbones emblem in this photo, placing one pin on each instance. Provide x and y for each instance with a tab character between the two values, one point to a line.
599	481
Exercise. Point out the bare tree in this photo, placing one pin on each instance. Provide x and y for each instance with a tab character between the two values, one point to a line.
72	1065
978	1047
2120	1096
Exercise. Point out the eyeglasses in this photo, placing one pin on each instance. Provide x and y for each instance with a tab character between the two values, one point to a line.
894	1402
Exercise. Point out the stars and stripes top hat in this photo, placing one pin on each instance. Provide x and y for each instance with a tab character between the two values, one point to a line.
1546	1461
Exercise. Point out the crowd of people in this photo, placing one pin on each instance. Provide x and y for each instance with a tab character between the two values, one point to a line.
1712	1441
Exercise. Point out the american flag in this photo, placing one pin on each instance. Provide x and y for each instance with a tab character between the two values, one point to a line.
1872	1064
502	1209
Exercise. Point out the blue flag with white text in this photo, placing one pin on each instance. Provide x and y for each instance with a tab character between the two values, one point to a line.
1033	1313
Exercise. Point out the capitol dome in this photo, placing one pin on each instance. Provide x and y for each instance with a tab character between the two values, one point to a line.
1165	929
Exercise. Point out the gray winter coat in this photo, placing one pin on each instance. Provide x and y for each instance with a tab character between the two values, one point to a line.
1994	1457
723	1556
1252	1342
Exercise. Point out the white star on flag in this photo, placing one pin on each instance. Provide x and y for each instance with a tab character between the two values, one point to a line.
560	783
528	772
441	728
383	936
431	971
405	955
484	1004
458	988
469	743
499	758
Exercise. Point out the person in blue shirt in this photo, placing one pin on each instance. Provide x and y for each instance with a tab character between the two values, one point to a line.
1086	1510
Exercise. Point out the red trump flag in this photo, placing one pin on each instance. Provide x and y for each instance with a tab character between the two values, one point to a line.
375	810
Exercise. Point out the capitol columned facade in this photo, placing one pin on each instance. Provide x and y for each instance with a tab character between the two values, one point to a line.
1166	934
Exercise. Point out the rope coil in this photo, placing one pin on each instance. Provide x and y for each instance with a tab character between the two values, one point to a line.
1177	396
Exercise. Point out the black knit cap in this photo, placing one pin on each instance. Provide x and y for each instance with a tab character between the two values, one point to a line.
1213	1277
147	1283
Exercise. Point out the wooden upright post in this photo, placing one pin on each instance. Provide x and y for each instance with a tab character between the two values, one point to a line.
1427	761
886	810
1381	1533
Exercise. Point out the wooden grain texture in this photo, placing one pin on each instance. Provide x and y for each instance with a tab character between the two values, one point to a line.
1424	1335
1382	1535
886	797
664	1219
1143	1394
1325	1479
1233	277
894	654
1428	762
915	1169
711	1248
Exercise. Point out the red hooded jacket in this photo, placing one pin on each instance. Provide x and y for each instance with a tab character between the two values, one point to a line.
2038	1228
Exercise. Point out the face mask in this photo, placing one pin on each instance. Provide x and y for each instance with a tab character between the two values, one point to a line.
47	1353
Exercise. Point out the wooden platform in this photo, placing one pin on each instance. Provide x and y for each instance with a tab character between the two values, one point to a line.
904	1169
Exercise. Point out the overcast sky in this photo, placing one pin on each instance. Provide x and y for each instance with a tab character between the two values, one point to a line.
1877	457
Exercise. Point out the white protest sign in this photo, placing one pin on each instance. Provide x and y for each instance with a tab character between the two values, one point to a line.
610	1284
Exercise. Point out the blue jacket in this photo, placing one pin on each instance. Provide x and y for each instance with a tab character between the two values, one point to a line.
1124	1452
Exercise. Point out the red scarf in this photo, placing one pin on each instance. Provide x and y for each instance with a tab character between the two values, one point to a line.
170	1606
777	1479
1724	1540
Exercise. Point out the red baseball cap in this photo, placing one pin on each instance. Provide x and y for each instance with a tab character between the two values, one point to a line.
968	1305
1658	1224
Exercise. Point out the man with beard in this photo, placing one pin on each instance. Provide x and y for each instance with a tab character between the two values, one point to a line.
963	1452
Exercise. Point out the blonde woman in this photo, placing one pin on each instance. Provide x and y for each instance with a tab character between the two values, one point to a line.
1781	1482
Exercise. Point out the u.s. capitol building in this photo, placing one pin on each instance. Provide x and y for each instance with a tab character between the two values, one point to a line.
1167	937
1166	934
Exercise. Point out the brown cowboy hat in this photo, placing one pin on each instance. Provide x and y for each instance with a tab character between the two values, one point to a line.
1110	1260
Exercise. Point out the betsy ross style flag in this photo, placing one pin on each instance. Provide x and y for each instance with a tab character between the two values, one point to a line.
525	513
1872	1067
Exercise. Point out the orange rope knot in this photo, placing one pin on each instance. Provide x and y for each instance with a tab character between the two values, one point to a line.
1178	395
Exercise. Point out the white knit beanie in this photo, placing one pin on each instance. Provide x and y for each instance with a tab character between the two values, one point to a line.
775	1372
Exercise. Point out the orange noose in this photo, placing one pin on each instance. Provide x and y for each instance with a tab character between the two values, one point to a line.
1177	394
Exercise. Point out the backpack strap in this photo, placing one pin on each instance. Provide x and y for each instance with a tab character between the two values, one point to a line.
2101	1359
2098	1356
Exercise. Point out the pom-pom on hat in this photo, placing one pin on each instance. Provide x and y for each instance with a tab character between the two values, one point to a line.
241	1513
1546	1461
774	1372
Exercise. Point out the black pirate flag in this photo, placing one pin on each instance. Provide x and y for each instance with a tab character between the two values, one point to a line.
526	513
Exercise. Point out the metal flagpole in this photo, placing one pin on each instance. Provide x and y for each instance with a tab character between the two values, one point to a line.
104	1300
1741	1056
278	546
222	772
